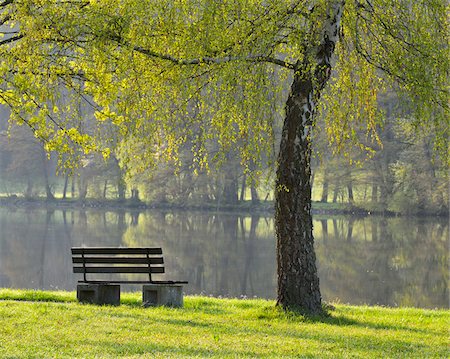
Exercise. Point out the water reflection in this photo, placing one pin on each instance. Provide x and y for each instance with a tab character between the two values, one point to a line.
388	261
374	260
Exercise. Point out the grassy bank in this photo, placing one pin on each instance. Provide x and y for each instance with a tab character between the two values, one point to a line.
54	325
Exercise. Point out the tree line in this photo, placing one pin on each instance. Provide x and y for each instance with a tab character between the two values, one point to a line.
402	176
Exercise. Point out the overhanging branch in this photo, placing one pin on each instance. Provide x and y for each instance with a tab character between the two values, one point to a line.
206	59
11	39
214	60
5	20
6	2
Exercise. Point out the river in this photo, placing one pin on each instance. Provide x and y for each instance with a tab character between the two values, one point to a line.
361	260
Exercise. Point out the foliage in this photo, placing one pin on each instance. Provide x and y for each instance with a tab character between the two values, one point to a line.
406	45
210	73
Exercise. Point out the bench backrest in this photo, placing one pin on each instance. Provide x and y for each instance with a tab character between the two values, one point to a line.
117	260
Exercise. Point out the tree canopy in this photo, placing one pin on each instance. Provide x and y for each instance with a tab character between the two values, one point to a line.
155	70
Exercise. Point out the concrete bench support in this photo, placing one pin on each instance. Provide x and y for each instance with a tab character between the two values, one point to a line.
170	295
99	293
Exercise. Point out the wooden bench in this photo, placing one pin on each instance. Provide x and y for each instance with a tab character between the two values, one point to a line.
113	261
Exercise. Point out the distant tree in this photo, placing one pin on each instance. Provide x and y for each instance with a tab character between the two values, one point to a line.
420	179
144	65
25	161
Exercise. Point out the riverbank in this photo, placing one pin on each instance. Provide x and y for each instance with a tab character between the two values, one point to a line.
245	207
36	324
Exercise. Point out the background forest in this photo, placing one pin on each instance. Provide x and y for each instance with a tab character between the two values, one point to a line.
400	175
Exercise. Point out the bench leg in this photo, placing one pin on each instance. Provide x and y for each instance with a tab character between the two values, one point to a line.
99	293
170	295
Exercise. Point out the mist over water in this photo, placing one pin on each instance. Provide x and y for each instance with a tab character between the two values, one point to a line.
372	260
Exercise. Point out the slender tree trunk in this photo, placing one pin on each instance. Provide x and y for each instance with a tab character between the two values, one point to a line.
298	282
254	194
253	190
72	187
121	187
336	192
243	185
105	188
349	183
66	184
230	189
45	170
82	187
351	198
374	193
324	197
135	194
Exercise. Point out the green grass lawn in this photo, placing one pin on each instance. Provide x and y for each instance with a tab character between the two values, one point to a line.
53	325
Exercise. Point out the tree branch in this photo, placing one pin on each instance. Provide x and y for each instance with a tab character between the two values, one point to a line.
214	60
6	2
11	39
5	19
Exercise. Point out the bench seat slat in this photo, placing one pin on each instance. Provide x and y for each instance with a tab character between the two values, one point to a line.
134	282
117	260
114	250
117	269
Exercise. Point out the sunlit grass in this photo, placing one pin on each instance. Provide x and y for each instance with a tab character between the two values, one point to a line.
36	324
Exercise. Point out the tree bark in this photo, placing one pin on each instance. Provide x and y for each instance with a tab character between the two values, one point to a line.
298	282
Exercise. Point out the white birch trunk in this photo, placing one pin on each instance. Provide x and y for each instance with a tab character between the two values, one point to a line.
298	282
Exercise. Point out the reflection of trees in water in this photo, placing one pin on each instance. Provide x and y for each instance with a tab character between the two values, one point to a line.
98	228
43	249
390	261
249	244
324	224
364	260
33	243
423	260
21	259
218	254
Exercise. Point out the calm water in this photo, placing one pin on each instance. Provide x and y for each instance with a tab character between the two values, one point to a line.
375	260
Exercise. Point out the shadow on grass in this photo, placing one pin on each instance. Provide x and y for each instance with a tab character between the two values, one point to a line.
327	317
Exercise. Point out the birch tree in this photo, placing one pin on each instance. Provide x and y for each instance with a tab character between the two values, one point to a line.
164	74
